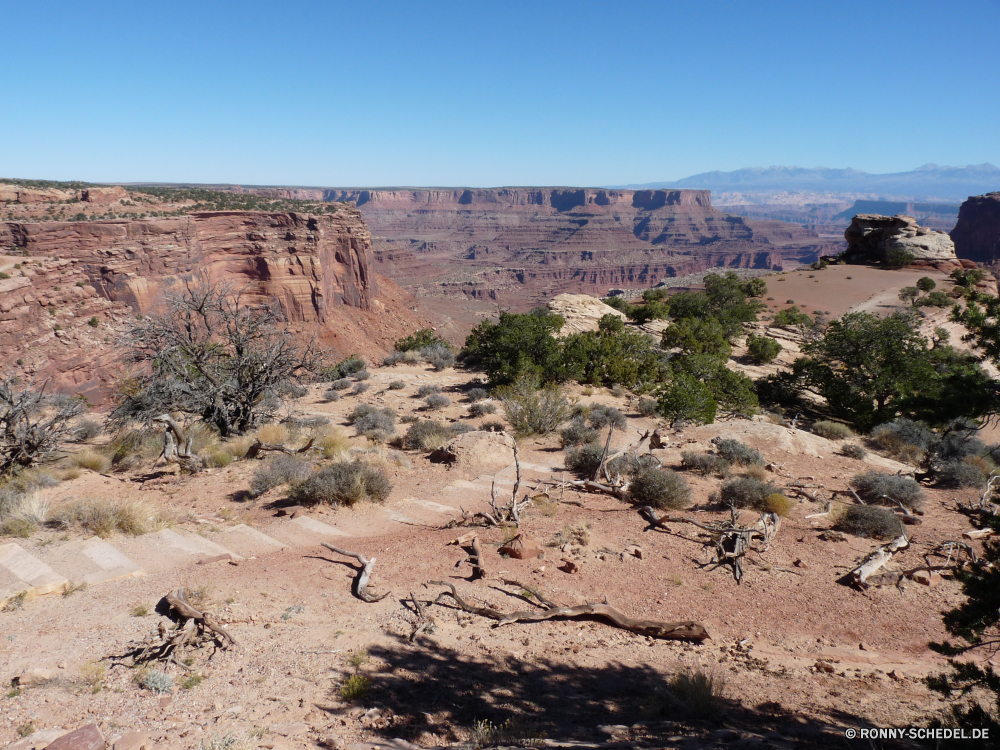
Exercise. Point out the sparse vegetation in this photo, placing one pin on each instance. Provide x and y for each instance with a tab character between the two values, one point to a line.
533	409
705	463
832	430
343	483
355	688
868	521
437	401
877	487
659	488
91	460
105	516
737	453
278	470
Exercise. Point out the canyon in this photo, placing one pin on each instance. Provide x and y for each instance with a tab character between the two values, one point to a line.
522	246
72	287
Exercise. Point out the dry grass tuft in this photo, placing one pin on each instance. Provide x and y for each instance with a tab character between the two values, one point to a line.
272	432
90	459
104	517
333	441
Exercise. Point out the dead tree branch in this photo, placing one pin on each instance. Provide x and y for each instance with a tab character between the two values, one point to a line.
177	445
511	512
257	447
361	582
877	560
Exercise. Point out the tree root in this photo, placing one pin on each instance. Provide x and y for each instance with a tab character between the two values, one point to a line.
361	582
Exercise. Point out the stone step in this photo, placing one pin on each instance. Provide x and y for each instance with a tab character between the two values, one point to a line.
169	549
304	531
22	572
433	506
90	561
246	541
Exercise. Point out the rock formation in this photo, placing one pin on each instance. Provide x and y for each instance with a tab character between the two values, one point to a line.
19	194
581	312
977	233
103	195
74	285
872	237
525	245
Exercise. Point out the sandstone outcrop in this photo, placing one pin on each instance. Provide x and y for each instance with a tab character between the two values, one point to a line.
581	312
873	237
103	195
75	285
977	233
19	194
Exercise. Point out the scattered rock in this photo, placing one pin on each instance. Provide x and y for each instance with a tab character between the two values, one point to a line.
832	536
568	566
824	666
133	741
927	578
522	548
84	738
217	558
165	700
292	510
801	564
874	237
35	676
38	740
332	741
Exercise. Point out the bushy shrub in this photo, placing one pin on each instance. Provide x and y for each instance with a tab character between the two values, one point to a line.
440	356
331	395
687	399
532	408
958	474
343	483
86	430
659	488
869	521
459	428
792	317
425	436
367	420
853	450
437	401
747	492
648	407
362	375
341	384
762	349
492	426
958	441
393	358
278	470
344	369
477	394
584	460
397	385
360	388
611	323
428	390
421	339
778	503
157	681
880	488
902	431
577	433
601	416
482	408
705	463
736	452
831	430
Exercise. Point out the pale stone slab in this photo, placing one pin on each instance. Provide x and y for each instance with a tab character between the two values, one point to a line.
28	572
318	527
430	505
248	541
90	561
168	549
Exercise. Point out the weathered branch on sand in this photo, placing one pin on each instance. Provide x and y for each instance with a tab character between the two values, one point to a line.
877	560
177	445
424	621
361	582
197	629
678	631
257	447
511	512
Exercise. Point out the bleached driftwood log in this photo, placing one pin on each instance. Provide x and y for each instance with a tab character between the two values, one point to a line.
177	445
361	582
877	559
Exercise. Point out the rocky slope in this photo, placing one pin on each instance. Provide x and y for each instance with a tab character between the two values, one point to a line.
977	233
73	285
525	245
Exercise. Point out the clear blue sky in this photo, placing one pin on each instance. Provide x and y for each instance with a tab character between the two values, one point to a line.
492	93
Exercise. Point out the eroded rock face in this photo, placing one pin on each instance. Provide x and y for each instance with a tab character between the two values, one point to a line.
873	236
18	194
977	233
103	195
581	312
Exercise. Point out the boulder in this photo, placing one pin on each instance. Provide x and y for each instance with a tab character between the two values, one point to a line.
38	740
477	452
872	237
84	738
581	312
522	548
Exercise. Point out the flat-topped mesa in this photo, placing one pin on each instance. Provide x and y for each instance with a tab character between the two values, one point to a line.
977	233
874	237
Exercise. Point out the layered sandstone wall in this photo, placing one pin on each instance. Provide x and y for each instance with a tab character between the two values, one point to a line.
977	233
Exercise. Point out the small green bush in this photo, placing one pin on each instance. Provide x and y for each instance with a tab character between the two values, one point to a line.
747	492
877	487
737	453
792	316
762	349
482	408
869	521
687	399
425	436
93	322
440	356
343	483
659	488
853	450
831	430
577	433
705	463
533	409
584	460
437	401
421	339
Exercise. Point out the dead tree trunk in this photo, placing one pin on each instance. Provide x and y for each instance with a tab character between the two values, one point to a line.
361	582
177	446
877	559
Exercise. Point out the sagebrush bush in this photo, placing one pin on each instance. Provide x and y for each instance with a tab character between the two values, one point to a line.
372	419
958	441
831	430
343	483
902	431
359	388
397	385
86	430
705	463
736	452
577	433
440	356
428	389
648	407
477	394
482	408
459	428
331	395
601	416
425	435
869	521
533	409
393	358
437	401
958	474
278	470
493	425
584	460
104	516
659	488
877	487
747	492
362	375
340	385
853	450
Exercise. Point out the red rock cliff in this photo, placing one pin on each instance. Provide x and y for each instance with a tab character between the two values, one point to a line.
977	233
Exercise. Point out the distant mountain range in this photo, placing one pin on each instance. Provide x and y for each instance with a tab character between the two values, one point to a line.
929	182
